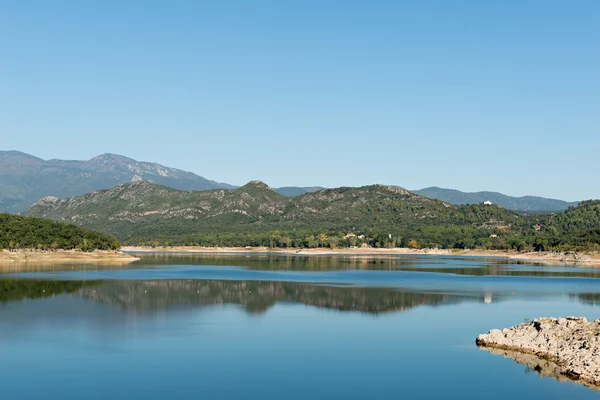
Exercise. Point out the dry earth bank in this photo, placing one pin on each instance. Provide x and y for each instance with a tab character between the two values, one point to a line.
65	256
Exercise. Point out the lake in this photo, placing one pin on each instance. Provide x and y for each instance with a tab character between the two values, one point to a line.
275	326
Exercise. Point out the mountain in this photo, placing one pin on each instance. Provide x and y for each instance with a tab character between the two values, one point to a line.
526	203
24	179
292	191
143	212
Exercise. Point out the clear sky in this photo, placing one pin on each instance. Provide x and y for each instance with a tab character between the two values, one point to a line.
473	95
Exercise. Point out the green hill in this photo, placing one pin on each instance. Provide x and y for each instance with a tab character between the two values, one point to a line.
256	215
144	213
577	226
17	232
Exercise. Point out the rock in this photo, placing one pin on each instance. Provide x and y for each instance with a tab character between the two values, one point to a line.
571	343
46	201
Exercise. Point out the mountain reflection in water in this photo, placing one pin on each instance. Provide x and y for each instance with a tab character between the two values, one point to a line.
254	296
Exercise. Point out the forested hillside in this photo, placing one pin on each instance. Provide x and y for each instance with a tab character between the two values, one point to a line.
17	232
577	226
255	215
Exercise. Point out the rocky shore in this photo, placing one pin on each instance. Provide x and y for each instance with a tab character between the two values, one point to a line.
571	344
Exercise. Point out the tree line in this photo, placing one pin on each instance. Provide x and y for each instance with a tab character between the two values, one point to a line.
576	229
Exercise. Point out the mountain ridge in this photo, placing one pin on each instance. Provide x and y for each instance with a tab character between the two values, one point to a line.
143	211
24	179
522	203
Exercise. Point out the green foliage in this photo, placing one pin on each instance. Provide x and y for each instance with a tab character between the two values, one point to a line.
17	232
576	228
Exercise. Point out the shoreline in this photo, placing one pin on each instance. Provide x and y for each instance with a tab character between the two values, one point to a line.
64	256
549	258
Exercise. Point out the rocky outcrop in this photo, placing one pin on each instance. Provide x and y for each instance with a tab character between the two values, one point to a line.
45	201
573	344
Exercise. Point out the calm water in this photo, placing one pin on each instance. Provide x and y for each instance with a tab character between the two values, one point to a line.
271	327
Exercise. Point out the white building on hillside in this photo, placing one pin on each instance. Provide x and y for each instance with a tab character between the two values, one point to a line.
487	203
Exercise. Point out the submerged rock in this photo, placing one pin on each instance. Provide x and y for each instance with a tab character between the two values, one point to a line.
573	344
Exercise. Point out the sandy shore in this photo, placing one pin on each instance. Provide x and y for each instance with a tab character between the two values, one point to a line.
591	260
64	256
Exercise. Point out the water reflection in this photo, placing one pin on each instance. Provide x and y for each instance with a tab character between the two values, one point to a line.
592	299
539	366
146	296
20	289
254	296
284	261
475	266
257	296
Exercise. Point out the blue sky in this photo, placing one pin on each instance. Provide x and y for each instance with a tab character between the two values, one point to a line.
473	95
